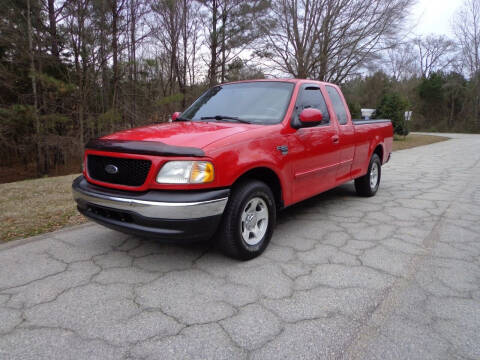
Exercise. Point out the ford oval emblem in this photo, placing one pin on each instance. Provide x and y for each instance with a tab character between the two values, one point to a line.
111	169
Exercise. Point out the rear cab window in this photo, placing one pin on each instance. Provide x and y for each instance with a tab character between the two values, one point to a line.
338	105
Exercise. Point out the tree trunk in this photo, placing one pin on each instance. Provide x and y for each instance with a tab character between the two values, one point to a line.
133	68
34	89
82	71
452	110
185	59
224	24
192	66
115	53
53	29
212	71
174	46
103	62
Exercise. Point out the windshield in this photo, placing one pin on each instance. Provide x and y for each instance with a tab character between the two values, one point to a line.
262	102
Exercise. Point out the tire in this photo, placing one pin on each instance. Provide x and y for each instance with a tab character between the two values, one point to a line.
368	184
245	213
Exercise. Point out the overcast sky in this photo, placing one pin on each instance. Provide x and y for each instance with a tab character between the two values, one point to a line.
434	16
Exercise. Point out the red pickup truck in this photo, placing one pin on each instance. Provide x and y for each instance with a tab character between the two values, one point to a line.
226	165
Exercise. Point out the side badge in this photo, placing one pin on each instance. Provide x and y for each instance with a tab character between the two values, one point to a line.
283	149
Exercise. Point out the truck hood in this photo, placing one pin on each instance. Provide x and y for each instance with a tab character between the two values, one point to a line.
188	133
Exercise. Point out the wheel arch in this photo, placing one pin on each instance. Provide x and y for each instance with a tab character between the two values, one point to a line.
268	176
379	151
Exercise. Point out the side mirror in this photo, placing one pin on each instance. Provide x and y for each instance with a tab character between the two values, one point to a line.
310	117
175	115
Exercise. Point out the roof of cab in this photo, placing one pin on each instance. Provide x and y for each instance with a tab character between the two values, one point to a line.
295	81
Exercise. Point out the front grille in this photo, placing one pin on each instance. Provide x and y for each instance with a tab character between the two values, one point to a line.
131	172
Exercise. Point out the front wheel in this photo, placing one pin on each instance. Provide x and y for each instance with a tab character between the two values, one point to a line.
368	184
248	221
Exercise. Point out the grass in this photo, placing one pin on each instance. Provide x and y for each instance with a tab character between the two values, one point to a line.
37	206
33	207
414	140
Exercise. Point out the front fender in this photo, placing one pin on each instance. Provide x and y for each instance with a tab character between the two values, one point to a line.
236	160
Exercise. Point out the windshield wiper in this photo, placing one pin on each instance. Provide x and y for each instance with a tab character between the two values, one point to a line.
223	117
181	119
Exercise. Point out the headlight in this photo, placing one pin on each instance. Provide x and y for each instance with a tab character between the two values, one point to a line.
186	172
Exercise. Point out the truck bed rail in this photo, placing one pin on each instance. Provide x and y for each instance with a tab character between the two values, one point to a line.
373	121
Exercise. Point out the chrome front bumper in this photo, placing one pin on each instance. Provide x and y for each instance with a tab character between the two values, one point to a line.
153	204
154	209
168	215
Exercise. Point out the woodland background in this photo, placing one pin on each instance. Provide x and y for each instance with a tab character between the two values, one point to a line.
71	70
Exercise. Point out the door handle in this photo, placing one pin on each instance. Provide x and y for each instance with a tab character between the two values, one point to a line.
335	139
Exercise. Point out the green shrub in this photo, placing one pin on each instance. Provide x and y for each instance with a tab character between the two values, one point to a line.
393	106
355	110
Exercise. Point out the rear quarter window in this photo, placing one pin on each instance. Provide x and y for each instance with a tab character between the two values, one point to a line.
338	105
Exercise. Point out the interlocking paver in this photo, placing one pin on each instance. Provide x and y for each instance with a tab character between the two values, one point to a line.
389	277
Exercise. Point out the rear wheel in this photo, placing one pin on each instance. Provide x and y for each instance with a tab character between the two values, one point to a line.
368	184
248	221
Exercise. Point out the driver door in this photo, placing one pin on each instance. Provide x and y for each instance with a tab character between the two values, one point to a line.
315	148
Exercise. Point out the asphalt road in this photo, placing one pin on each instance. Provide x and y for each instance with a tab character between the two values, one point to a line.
395	276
